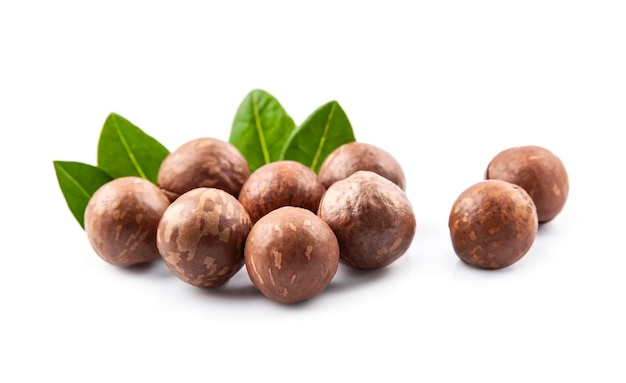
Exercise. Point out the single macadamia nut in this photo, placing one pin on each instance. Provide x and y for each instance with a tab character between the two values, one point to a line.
121	220
493	224
536	170
353	156
278	184
291	255
371	217
201	236
203	162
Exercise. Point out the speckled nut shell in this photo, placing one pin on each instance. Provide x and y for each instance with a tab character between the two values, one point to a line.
121	221
278	184
536	170
201	236
371	217
203	162
493	224
353	156
291	255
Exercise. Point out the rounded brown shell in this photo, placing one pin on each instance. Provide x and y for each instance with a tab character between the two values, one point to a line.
291	255
203	162
353	156
201	236
121	220
278	184
536	170
492	224
371	217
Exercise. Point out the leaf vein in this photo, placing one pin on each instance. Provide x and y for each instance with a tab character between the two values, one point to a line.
318	152
129	152
74	181
259	128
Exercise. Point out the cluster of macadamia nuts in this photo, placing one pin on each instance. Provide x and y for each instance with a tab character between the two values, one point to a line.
494	222
208	217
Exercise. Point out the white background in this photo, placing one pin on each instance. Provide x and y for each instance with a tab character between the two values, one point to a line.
442	85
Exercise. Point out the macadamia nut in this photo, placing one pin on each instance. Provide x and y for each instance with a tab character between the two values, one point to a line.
492	224
353	156
121	220
536	170
203	162
291	255
201	236
372	218
278	184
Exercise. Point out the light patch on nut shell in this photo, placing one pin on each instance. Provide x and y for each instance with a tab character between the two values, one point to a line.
225	235
118	230
230	210
269	272
256	272
203	222
209	262
278	259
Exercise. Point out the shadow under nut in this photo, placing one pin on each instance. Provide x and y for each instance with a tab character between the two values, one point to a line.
121	221
492	224
372	218
201	236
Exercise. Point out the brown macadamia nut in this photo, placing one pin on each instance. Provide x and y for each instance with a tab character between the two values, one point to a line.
371	217
353	156
536	170
291	255
278	184
201	236
121	220
492	224
203	162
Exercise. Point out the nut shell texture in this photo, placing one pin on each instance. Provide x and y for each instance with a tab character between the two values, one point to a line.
278	184
203	162
353	156
201	236
291	255
536	170
371	217
493	224
121	220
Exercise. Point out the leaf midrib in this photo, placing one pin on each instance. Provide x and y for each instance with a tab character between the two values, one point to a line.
259	128
128	151
74	181
318	152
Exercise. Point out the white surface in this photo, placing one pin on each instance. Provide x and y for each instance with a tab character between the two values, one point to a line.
442	85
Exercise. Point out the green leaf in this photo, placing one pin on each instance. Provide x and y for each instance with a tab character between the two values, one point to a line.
126	150
78	182
260	128
322	132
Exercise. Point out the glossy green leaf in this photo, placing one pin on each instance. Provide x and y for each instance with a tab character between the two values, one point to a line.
78	182
322	132
260	128
126	150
